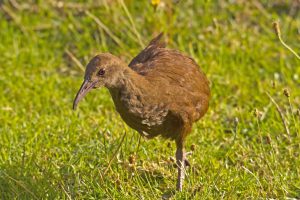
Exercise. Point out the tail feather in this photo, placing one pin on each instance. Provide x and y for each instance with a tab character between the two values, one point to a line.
157	41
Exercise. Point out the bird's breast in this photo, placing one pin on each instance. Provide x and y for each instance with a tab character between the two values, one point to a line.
147	118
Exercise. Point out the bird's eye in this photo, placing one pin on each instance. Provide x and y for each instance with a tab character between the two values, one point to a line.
101	72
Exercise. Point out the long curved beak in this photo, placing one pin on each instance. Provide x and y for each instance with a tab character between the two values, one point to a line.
84	89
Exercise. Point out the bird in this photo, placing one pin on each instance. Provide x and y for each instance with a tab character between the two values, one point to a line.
161	92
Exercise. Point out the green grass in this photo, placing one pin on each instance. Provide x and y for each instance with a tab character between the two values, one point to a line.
48	151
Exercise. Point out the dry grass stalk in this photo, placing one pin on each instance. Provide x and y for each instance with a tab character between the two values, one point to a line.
278	33
74	59
281	115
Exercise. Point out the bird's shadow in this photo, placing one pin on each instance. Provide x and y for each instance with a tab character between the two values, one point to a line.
15	183
168	194
157	178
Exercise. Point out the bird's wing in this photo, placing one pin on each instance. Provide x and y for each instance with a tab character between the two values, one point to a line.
175	77
142	61
156	61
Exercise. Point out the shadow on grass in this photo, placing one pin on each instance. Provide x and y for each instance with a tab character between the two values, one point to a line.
17	185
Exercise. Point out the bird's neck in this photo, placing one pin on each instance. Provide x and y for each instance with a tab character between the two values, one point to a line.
128	82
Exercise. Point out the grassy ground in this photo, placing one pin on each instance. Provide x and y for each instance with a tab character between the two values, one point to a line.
242	149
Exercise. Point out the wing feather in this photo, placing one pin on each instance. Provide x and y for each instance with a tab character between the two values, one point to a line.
172	71
141	61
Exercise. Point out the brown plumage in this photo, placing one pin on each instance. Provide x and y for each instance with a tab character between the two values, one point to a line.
161	92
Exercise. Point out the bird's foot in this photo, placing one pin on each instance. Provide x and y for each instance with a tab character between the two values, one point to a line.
186	162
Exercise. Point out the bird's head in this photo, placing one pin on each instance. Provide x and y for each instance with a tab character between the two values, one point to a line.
103	70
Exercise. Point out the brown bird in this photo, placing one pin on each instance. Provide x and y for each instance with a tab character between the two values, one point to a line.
161	92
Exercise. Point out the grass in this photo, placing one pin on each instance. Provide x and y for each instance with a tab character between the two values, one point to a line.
242	149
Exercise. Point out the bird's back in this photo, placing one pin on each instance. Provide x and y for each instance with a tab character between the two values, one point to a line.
176	79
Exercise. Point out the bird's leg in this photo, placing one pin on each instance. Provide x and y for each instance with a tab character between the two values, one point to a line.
180	161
